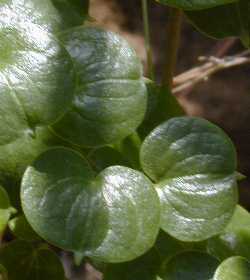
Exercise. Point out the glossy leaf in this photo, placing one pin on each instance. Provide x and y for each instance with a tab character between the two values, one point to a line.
193	163
235	268
194	4
24	262
22	230
110	102
235	239
113	217
224	21
5	210
36	80
190	266
73	12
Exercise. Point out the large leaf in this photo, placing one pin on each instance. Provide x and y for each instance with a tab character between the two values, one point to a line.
224	21
235	268
73	12
190	266
5	210
113	217
193	163
111	97
235	239
194	4
24	262
36	79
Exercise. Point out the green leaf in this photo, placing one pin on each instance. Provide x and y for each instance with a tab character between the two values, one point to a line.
113	217
73	12
162	105
235	239
190	266
3	273
235	268
22	230
111	97
25	262
224	21
36	80
5	210
194	4
193	163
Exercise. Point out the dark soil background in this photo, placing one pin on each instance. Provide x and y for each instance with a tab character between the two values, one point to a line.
224	99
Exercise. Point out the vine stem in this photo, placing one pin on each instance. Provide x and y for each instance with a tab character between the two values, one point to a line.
147	39
173	41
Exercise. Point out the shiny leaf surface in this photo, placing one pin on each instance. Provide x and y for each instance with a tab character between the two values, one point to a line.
110	102
193	163
112	217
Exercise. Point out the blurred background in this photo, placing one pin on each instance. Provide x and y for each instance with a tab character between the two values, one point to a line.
223	99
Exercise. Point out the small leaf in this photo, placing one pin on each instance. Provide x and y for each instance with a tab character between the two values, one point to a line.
113	217
193	163
224	21
22	230
235	268
194	4
110	100
24	262
190	266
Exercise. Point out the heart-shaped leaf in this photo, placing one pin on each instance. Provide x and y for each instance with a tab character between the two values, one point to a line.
190	266
24	262
235	239
110	102
36	80
235	268
224	21
73	12
194	4
193	163
113	217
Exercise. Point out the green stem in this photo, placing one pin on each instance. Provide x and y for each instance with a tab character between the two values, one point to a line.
173	41
147	39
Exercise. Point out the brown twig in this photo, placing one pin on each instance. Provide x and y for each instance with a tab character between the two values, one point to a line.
210	66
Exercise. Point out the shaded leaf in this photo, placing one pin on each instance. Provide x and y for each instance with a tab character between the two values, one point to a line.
193	163
22	230
224	21
110	102
194	4
113	217
24	262
3	273
190	266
